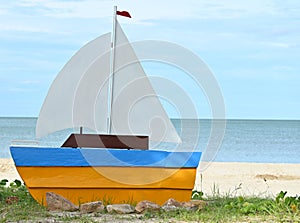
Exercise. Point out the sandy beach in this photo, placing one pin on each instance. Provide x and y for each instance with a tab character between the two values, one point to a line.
8	170
259	179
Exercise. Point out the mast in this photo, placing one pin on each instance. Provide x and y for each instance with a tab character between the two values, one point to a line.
112	71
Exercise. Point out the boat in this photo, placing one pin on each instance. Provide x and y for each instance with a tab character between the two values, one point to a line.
103	88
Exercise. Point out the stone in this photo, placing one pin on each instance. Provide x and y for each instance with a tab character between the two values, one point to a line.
172	202
91	207
120	208
57	202
170	208
194	205
146	206
12	199
171	205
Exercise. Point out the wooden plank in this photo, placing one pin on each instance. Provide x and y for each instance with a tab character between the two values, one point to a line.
43	157
107	141
108	177
113	196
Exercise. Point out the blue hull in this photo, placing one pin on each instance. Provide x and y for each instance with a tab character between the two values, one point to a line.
38	156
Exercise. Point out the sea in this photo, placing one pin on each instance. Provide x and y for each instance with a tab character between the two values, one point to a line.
260	141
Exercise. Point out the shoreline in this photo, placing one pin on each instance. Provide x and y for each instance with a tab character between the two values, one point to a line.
225	178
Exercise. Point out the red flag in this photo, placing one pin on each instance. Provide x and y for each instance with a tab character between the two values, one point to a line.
124	13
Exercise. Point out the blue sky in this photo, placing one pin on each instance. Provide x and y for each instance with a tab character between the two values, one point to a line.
252	47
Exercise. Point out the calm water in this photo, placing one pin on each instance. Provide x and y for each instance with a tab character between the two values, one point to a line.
273	141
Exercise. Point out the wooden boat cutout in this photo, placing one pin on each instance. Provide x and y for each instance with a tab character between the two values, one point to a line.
118	102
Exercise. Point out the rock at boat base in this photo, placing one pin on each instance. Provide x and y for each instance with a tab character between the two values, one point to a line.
120	208
171	205
146	206
56	202
194	205
91	207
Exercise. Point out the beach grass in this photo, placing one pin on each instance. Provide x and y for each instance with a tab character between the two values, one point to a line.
17	205
241	209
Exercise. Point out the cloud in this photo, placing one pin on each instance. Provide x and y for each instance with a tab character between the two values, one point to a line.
275	44
262	73
16	89
30	82
24	86
216	9
142	10
60	8
23	28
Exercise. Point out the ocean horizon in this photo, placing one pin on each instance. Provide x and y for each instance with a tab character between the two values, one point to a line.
245	140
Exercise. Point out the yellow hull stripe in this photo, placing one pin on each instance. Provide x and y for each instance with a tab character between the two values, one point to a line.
110	184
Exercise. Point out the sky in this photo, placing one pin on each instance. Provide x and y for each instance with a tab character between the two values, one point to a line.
251	47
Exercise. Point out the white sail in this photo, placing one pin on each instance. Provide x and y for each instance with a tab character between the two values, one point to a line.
79	95
67	92
136	109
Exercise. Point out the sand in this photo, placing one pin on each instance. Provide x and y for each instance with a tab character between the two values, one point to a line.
248	179
8	170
